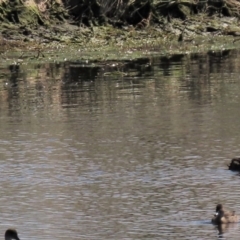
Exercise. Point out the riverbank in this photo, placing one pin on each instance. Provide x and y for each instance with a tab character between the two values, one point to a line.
49	29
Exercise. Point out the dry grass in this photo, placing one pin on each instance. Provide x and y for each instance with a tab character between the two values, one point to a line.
234	6
112	6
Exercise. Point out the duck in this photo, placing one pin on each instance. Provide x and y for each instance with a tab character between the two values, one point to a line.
11	234
235	164
223	216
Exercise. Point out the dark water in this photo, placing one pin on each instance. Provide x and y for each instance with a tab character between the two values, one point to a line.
130	150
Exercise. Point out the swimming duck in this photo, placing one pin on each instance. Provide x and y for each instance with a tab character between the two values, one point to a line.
224	216
235	164
11	234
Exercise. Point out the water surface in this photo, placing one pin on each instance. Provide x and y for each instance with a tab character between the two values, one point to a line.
130	150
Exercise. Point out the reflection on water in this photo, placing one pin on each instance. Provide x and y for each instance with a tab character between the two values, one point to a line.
130	150
226	228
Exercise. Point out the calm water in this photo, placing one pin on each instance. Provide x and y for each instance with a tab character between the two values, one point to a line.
130	150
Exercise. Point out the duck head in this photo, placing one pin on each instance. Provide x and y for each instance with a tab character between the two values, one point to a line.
11	234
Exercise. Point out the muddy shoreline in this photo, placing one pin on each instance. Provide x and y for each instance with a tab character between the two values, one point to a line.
55	33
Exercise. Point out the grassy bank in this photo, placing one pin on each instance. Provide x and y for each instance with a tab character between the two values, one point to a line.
129	26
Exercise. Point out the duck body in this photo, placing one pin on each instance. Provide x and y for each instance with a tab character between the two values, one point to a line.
223	216
235	164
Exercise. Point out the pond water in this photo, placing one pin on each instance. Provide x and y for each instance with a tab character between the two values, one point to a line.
125	150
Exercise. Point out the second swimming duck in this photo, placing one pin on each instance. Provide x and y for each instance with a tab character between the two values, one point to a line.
224	216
